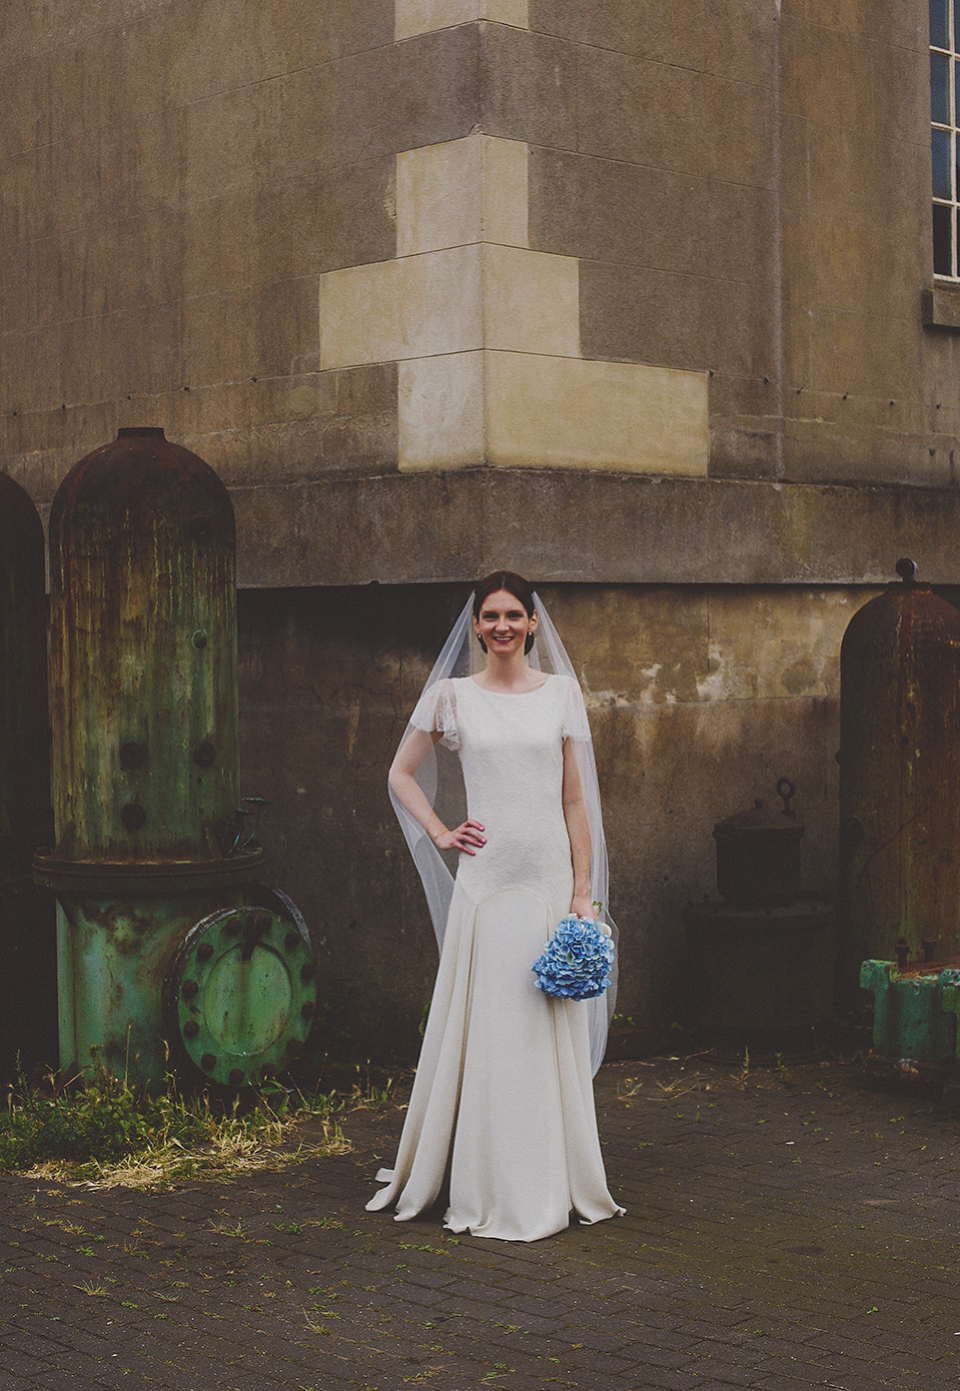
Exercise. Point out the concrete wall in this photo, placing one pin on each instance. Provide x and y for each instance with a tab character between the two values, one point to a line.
700	700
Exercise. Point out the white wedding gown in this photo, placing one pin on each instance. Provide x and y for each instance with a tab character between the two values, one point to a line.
502	1103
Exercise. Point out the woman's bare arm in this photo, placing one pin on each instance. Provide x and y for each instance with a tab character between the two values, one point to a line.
467	837
578	830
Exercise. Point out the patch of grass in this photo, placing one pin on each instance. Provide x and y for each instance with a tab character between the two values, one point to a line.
99	1131
227	1228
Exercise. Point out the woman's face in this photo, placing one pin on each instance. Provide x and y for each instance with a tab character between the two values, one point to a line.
504	623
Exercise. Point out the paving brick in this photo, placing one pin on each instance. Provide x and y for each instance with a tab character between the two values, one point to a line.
731	1376
653	1356
649	1378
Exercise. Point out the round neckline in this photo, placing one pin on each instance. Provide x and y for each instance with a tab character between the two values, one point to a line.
513	695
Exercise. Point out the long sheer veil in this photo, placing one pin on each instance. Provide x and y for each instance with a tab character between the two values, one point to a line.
441	781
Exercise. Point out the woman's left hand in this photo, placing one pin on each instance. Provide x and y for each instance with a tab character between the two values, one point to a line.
582	906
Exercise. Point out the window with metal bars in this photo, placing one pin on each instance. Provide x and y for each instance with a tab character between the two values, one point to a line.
945	133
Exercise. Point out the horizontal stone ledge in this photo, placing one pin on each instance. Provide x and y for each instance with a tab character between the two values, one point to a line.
586	527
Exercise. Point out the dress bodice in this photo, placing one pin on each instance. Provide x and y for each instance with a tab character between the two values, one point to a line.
511	751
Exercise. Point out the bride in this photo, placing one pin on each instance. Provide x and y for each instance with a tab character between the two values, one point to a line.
502	1104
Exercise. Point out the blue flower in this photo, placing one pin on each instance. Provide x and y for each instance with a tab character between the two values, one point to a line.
575	964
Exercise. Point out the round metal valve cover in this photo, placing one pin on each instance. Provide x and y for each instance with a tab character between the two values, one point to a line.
241	994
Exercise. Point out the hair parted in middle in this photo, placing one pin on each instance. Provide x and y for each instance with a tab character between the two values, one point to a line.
514	584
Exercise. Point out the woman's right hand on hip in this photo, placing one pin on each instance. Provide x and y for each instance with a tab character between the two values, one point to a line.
467	837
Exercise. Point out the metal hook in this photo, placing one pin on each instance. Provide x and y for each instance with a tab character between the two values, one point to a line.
233	836
257	805
786	789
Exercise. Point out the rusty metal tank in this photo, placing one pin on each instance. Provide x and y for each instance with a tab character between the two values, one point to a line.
900	778
143	654
167	951
27	959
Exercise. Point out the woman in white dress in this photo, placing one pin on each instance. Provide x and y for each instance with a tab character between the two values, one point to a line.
502	1104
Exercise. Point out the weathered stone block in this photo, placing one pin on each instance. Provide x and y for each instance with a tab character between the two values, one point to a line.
900	93
140	350
285	315
416	307
218	243
603	211
749	448
441	406
209	50
812	53
424	16
302	116
219	135
218	336
347	217
633	647
31	379
901	24
717	127
867	353
632	214
689	33
637	314
462	192
27	121
136	261
421	92
566	412
530	88
19	275
26	210
83	367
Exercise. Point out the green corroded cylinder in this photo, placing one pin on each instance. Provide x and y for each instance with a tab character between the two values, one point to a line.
143	654
146	777
114	954
899	779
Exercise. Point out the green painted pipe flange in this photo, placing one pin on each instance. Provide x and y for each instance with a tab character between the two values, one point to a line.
241	995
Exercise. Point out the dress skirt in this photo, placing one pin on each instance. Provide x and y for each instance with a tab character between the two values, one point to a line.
503	1094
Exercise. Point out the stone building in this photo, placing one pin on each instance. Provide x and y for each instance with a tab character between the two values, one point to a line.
637	298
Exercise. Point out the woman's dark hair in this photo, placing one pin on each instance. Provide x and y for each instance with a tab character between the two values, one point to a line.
514	584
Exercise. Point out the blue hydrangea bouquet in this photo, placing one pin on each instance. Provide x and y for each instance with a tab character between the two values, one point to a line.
576	962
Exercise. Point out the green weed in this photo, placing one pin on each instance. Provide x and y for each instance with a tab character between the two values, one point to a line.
101	1130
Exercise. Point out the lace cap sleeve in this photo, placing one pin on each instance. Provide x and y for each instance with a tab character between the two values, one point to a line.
576	725
436	711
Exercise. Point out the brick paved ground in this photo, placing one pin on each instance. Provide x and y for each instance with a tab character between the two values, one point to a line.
784	1230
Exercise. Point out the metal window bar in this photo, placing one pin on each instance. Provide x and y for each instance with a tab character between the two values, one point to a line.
944	122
